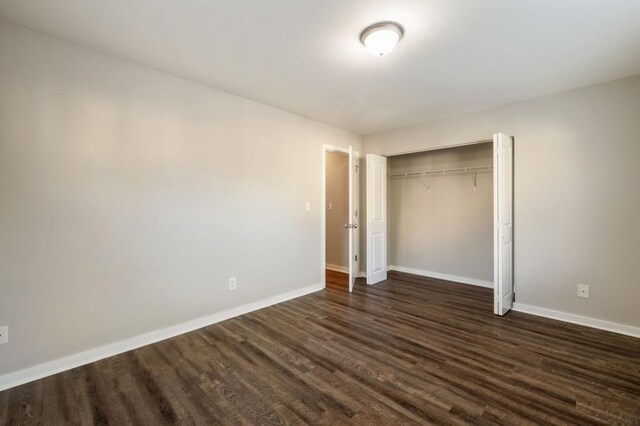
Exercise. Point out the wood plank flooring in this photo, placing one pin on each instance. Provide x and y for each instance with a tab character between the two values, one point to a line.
407	351
337	280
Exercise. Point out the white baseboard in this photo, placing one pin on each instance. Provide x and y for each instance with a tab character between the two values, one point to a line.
578	319
337	268
440	276
76	360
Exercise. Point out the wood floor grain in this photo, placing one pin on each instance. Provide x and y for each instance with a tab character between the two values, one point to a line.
337	280
406	351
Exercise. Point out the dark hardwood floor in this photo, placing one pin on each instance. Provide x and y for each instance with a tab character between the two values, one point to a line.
409	350
337	280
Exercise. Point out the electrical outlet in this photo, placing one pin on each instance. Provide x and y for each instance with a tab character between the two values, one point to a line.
4	335
583	290
232	283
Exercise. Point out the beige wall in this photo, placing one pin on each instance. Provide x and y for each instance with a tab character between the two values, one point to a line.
577	193
128	197
338	195
442	224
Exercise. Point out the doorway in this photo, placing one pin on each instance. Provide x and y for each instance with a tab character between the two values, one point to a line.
340	196
337	215
451	219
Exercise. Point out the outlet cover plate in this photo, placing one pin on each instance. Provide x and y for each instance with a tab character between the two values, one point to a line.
583	290
232	283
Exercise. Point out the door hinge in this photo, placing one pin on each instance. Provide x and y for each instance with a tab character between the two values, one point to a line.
356	257
356	168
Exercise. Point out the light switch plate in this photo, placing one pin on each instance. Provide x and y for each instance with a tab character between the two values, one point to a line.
307	206
4	335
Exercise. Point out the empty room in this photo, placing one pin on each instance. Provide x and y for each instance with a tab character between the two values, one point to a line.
380	212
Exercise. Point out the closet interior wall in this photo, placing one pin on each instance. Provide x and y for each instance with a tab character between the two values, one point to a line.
441	225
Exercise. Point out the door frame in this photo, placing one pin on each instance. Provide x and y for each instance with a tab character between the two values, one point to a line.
323	214
493	225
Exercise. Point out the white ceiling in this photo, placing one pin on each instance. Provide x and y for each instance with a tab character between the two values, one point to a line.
304	56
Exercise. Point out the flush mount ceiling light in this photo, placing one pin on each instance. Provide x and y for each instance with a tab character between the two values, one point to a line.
381	38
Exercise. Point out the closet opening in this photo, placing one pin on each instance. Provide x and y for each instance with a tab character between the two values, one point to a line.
440	214
445	214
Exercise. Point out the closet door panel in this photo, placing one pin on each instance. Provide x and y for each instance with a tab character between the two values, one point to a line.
376	218
503	215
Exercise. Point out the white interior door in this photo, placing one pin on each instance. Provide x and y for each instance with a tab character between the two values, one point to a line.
503	219
353	217
376	218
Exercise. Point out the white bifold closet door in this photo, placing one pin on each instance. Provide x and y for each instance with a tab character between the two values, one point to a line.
354	201
376	218
503	219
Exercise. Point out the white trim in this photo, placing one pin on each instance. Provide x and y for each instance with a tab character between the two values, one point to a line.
76	360
338	268
440	276
627	330
496	231
436	148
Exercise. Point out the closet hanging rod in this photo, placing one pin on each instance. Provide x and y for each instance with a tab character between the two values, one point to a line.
441	172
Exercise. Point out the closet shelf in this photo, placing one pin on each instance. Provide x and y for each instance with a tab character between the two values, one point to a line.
426	174
440	172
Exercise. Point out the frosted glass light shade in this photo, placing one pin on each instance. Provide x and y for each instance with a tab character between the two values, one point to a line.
381	38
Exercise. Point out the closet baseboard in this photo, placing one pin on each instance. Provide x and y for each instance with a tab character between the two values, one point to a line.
337	268
440	276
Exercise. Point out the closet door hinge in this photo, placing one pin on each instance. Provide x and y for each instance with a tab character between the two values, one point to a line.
356	257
